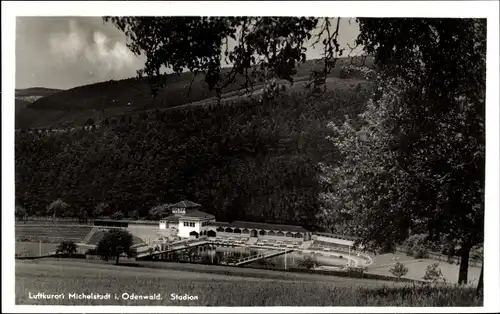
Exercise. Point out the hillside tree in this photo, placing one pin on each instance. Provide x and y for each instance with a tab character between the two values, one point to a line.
159	211
57	208
115	243
20	212
399	270
413	162
67	248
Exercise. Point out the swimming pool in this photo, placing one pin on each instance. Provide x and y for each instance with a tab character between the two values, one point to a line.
226	254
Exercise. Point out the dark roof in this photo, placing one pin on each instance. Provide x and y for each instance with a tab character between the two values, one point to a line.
143	222
337	236
193	213
266	226
219	223
128	221
185	204
197	214
172	218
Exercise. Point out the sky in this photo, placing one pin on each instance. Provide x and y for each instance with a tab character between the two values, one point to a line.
65	52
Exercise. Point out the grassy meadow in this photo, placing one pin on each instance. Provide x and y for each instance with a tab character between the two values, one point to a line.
52	276
33	248
416	267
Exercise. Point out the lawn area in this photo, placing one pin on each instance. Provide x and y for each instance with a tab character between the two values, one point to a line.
56	232
416	267
32	248
69	276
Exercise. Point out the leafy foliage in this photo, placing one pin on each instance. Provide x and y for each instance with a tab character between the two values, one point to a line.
433	273
91	252
67	248
57	207
416	244
355	270
159	211
102	210
265	262
114	243
240	161
414	161
308	263
399	270
264	47
20	212
191	253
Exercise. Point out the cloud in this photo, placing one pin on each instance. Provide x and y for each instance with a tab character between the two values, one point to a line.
67	46
101	56
69	51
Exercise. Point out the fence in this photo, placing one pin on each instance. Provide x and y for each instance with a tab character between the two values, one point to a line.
45	239
58	220
18	256
439	256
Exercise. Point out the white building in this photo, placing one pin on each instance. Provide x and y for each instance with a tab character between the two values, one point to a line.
187	220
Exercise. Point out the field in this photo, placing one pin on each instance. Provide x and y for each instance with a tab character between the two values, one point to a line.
381	266
416	268
33	248
56	233
382	263
53	277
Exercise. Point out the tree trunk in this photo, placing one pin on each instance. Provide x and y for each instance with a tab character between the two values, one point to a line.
117	259
464	265
480	283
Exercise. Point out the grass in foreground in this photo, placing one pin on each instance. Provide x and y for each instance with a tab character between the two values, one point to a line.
416	267
218	290
33	248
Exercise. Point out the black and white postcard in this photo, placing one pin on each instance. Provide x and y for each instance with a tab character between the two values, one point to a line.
250	156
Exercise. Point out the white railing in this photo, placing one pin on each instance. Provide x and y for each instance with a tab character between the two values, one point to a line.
261	255
175	246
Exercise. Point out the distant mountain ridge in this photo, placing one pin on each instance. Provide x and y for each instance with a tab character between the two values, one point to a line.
92	103
26	96
36	91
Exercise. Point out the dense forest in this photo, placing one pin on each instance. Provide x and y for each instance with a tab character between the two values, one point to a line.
245	160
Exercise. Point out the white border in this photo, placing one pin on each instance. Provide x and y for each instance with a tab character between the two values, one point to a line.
487	9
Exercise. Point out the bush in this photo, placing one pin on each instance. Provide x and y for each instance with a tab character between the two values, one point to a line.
91	252
433	273
20	213
399	270
266	263
356	271
419	252
23	239
417	245
67	248
308	263
25	253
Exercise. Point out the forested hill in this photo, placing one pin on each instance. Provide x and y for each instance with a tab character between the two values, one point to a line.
94	103
25	97
248	161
